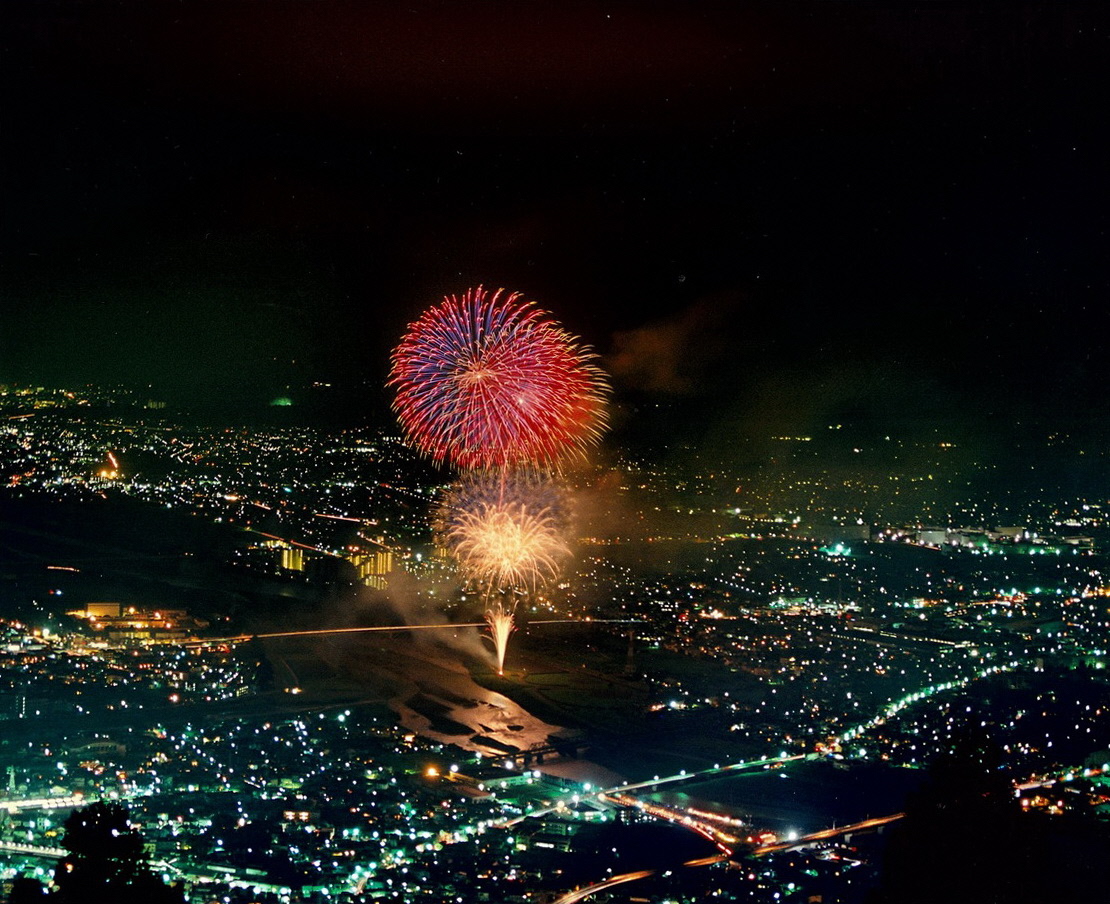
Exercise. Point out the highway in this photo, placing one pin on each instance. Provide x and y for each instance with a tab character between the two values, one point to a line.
826	834
584	893
1066	775
763	763
619	790
724	840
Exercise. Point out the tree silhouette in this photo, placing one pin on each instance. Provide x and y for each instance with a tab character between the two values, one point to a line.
27	890
256	665
964	838
106	861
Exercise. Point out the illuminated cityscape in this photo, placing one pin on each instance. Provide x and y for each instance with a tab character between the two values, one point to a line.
620	453
731	644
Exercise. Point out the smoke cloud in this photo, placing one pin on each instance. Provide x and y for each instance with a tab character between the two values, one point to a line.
674	356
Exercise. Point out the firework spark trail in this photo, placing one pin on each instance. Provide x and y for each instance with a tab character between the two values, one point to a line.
501	622
488	381
506	530
506	548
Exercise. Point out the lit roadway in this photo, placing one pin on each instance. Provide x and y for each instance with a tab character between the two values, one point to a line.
14	847
826	834
764	763
584	893
1067	775
68	801
46	803
611	794
320	632
726	842
619	797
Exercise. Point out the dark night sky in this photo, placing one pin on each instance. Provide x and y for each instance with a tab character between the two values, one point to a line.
775	214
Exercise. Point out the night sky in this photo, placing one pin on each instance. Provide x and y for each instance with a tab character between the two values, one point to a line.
765	218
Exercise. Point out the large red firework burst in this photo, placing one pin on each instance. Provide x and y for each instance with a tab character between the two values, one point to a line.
488	380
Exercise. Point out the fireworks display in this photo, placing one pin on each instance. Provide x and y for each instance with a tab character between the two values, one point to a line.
501	621
506	529
487	380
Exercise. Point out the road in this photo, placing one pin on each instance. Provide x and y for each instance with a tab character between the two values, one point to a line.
584	893
763	763
826	834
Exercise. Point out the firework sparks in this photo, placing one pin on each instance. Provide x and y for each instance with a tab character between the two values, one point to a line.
508	547
501	621
506	531
487	380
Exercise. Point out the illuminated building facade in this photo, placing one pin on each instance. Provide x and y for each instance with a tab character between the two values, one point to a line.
373	566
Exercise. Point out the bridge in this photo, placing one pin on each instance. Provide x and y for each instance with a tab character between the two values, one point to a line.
34	850
70	801
867	825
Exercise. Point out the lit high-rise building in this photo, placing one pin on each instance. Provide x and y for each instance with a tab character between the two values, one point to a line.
292	558
373	567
